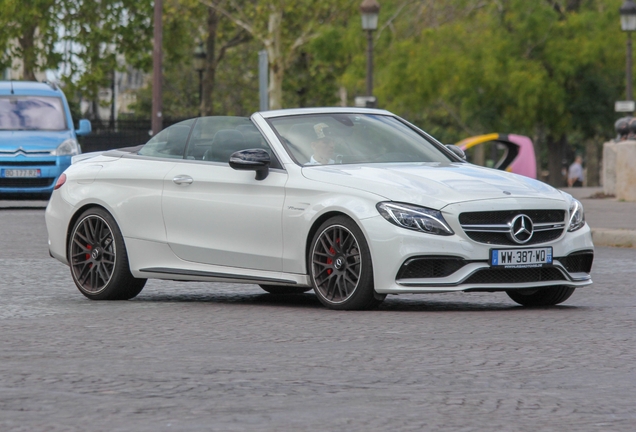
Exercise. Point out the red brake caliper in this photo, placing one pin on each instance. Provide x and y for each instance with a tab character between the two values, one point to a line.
333	252
88	256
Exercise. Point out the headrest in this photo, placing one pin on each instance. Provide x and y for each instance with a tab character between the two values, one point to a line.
228	137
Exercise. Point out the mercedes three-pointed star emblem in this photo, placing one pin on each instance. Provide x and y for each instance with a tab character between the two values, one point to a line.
521	229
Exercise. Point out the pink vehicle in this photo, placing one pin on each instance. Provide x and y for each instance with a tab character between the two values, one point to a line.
515	153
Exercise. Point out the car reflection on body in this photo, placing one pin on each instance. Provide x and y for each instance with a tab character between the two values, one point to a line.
246	200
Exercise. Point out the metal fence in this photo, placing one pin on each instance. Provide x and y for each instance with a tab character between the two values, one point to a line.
108	135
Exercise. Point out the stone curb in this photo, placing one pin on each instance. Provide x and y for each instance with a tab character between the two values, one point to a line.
614	237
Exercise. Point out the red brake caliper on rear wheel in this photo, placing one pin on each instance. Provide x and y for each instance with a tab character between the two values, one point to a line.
88	256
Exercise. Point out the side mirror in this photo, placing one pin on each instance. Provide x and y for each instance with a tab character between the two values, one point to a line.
84	127
456	150
251	160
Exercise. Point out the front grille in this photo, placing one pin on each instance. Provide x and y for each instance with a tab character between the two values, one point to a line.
501	276
502	238
26	182
430	267
12	163
494	227
578	262
502	217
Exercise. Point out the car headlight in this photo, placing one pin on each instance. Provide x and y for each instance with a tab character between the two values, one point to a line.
69	147
577	215
415	218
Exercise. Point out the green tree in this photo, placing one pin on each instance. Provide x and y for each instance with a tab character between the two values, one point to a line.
283	27
100	37
545	69
228	84
29	33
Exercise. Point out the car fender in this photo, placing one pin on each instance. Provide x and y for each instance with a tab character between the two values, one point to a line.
307	204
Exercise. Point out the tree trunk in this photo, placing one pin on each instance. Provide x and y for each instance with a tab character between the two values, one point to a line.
94	111
29	57
276	61
209	76
555	163
592	163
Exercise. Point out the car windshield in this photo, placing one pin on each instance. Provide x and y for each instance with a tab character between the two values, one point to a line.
32	113
353	139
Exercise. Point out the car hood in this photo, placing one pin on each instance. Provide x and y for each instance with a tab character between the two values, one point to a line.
433	185
32	140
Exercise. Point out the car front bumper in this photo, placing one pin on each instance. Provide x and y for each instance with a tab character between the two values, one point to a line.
49	169
392	246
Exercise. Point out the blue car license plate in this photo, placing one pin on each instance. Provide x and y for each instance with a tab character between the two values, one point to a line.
520	258
20	173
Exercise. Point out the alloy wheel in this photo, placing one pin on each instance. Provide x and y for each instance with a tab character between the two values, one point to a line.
92	254
336	264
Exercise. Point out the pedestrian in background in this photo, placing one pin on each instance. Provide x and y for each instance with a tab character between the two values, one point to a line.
575	173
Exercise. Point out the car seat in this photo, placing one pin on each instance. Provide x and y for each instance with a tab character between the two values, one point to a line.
224	143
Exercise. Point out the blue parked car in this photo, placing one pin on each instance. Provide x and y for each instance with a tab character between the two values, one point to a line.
37	138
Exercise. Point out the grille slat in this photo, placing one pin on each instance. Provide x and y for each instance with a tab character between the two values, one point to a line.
10	164
504	217
26	182
502	239
499	276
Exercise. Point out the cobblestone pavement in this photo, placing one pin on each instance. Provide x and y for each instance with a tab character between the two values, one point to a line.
221	357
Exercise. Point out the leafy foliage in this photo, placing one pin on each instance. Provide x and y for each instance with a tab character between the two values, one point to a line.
550	69
29	33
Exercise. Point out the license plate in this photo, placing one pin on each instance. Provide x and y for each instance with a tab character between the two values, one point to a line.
520	258
10	173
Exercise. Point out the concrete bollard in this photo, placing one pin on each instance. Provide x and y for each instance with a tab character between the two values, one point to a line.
626	171
609	168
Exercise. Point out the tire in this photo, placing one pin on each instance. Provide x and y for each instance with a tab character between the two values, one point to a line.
98	259
278	289
340	266
549	296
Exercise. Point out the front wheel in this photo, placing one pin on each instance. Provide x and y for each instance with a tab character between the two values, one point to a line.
549	296
98	259
340	266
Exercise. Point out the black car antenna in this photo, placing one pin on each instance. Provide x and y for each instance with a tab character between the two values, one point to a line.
12	86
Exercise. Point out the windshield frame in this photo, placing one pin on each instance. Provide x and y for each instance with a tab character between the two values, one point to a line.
452	157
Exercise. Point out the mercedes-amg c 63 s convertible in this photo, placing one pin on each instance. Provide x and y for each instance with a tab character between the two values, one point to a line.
352	203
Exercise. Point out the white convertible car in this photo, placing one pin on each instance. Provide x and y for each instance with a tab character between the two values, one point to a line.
352	203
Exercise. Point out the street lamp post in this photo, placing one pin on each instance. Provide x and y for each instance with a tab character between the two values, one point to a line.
370	10
199	66
628	25
156	123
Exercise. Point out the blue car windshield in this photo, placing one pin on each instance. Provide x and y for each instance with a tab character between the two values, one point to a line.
32	113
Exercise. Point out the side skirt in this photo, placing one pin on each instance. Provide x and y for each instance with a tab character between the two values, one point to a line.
215	275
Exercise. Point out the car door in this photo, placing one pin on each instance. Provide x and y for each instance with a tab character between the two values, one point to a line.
133	182
216	215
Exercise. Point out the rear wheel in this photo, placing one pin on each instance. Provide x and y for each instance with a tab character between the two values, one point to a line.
340	266
279	289
98	259
549	296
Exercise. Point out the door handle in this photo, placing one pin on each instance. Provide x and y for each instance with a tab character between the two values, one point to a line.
182	179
